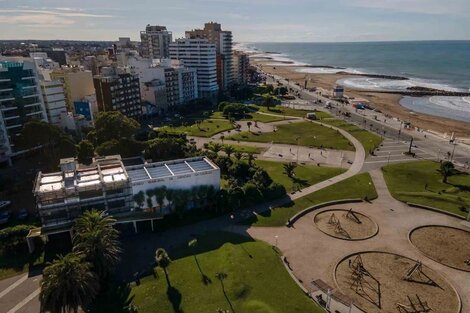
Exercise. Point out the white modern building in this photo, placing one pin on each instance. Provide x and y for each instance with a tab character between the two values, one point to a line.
54	100
108	185
155	42
20	101
198	54
222	39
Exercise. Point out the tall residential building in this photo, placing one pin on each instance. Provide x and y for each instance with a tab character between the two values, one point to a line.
241	64
198	54
78	84
155	42
20	101
118	92
164	83
222	40
54	100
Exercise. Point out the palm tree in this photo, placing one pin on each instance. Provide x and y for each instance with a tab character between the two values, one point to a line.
139	198
170	196
150	194
97	241
163	261
67	284
216	147
289	169
229	149
160	194
447	169
250	157
249	125
238	155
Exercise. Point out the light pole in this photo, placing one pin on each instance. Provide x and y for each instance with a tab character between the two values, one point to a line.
276	237
298	147
388	161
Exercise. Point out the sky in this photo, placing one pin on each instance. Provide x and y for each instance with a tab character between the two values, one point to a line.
249	20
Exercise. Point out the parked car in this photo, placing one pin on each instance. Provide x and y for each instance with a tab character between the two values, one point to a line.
4	204
4	217
23	214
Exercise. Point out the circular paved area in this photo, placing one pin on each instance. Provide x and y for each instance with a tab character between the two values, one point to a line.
446	245
345	224
313	255
377	283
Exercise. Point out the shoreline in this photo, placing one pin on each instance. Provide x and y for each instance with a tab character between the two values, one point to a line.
386	101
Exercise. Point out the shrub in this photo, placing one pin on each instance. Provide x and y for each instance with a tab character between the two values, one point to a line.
12	237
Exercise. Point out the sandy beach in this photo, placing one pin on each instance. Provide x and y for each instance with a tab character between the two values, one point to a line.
388	103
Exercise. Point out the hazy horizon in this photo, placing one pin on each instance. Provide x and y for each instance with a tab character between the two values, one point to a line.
249	20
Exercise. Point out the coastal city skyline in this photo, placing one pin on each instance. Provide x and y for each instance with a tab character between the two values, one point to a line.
302	21
234	156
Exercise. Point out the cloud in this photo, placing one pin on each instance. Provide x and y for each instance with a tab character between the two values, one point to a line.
430	7
60	12
37	20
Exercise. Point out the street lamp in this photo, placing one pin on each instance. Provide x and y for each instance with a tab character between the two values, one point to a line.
388	161
298	147
276	237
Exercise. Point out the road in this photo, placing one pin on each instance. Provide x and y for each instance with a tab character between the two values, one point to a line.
20	294
430	145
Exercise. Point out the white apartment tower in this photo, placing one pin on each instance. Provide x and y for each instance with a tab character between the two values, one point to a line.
222	40
198	54
155	42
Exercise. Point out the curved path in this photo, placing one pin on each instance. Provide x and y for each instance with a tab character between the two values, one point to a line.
312	254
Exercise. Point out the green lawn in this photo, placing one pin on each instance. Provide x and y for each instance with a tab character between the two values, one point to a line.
358	186
207	128
309	134
305	175
262	118
282	110
256	280
369	140
407	182
246	149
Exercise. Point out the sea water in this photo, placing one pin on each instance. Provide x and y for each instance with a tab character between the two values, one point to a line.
443	65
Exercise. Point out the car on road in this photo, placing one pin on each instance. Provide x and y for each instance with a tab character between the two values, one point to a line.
4	204
22	214
4	217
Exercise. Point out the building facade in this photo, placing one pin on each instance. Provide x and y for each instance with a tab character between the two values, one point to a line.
110	186
223	42
241	65
118	92
200	55
78	84
54	100
155	42
20	101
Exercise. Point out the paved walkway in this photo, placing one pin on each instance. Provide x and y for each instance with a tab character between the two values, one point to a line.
20	294
313	254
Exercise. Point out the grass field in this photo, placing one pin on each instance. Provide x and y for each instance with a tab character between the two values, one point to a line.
282	110
207	128
308	134
263	118
407	183
358	186
305	175
246	149
369	140
255	280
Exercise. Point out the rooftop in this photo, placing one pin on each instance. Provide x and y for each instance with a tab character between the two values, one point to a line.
169	168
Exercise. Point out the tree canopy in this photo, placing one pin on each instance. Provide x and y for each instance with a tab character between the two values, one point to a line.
114	125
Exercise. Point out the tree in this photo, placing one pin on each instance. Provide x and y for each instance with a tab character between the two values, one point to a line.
160	149
139	198
447	169
249	125
163	261
250	157
216	147
66	147
261	178
289	169
114	125
252	193
86	151
160	194
97	241
229	149
235	110
238	155
68	284
268	101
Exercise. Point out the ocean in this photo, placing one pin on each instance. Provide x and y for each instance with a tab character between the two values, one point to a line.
441	65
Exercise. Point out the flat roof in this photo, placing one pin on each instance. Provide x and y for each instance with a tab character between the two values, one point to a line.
169	168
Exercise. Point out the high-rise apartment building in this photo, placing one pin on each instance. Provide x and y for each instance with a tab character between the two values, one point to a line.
155	42
20	101
54	100
241	64
222	40
198	54
118	92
